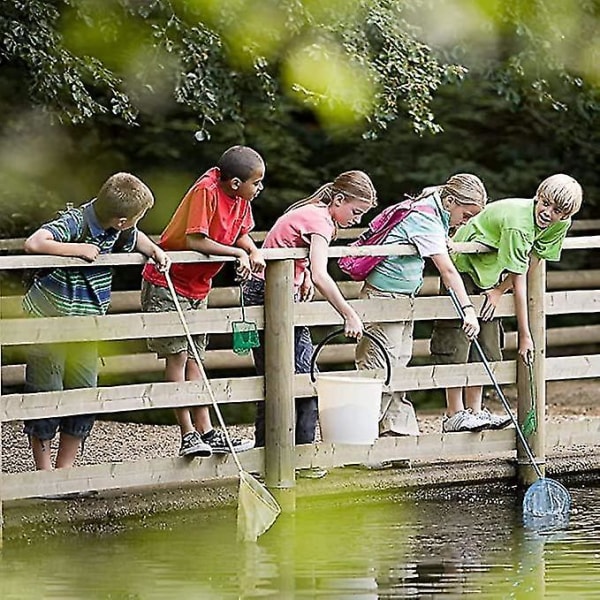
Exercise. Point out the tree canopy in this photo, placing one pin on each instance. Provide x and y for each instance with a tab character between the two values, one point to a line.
88	86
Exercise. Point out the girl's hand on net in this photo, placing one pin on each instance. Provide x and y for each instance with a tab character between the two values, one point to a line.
307	290
470	323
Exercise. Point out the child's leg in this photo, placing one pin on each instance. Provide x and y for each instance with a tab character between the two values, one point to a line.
68	447
396	414
306	408
41	453
44	373
175	371
306	420
474	398
81	371
200	414
454	401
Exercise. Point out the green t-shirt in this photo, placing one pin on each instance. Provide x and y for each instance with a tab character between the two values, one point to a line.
508	226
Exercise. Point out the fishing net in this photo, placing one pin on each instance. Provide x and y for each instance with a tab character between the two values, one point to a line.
529	426
257	509
546	505
245	332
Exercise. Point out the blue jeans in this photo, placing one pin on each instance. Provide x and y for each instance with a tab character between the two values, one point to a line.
55	367
306	408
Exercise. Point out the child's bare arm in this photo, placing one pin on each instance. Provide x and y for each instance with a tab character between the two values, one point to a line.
519	283
452	280
42	242
147	247
201	243
318	255
257	261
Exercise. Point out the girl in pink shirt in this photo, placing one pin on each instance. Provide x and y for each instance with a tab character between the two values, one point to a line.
312	223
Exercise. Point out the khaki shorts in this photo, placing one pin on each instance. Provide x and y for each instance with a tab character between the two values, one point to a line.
450	345
158	299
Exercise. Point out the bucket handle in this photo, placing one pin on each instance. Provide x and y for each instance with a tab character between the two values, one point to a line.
333	334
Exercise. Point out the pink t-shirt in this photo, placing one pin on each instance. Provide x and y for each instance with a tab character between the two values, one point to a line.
294	230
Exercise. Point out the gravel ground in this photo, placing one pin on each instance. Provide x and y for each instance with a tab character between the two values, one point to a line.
117	442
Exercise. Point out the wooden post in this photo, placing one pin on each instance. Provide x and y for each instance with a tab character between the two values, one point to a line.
279	382
536	292
1	515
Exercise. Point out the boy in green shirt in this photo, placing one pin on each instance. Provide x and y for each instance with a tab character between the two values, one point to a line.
520	232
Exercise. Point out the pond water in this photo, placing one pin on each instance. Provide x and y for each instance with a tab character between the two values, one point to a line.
436	543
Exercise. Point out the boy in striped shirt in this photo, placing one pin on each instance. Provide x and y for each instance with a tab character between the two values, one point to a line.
103	225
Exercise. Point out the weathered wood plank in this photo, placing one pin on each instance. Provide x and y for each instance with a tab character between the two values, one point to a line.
128	397
569	302
126	475
429	447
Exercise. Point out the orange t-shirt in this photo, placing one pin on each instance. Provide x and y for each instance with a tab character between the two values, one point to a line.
205	210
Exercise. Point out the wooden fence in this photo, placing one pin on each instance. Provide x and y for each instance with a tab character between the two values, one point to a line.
279	386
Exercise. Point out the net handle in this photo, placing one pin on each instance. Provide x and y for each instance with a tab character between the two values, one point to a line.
201	369
242	302
494	381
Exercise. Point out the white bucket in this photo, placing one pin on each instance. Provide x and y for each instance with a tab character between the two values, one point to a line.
349	409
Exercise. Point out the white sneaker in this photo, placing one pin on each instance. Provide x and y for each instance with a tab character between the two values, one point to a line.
494	421
463	420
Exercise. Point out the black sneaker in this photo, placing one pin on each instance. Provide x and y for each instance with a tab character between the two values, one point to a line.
193	445
218	442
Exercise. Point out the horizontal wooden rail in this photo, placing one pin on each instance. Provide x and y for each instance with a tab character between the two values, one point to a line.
171	471
334	354
226	297
249	389
144	325
16	244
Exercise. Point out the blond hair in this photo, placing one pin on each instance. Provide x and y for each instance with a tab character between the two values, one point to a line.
123	195
464	188
563	191
353	185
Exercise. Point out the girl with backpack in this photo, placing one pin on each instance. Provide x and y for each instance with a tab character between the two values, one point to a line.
425	224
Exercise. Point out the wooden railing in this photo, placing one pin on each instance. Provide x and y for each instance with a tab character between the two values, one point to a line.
279	386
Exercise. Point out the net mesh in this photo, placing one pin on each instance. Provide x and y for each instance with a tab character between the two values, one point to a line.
245	336
257	509
546	505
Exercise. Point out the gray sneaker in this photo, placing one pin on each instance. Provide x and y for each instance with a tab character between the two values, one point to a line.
494	421
463	420
218	442
192	445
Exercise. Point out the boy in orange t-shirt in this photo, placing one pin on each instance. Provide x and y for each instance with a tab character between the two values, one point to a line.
214	217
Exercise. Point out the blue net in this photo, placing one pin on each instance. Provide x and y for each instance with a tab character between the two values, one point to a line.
546	505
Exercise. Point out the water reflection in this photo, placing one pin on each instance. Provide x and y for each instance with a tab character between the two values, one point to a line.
360	547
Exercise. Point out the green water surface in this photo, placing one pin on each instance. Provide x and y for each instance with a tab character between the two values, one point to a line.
430	544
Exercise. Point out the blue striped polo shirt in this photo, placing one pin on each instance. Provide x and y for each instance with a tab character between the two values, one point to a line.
428	232
73	290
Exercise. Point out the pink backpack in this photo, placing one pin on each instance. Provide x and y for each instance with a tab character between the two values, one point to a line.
358	267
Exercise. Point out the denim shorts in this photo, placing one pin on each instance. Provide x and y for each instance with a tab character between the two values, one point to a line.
55	367
158	299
